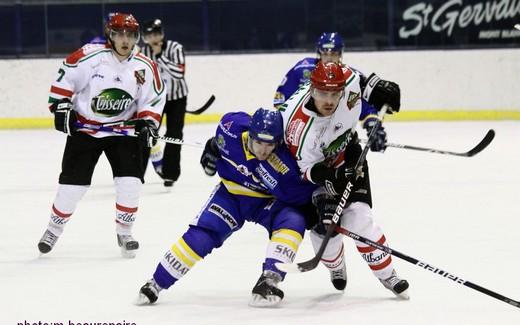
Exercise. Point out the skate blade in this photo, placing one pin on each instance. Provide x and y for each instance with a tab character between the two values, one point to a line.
258	301
142	300
403	295
128	253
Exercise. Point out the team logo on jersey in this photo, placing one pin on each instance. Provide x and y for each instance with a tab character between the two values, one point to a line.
139	76
221	143
111	102
353	98
306	74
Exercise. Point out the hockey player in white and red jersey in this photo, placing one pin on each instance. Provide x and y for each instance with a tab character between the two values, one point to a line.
320	130
100	84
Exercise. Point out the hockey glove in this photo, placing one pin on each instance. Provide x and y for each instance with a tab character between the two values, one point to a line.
379	144
64	116
209	157
378	92
325	207
146	133
334	180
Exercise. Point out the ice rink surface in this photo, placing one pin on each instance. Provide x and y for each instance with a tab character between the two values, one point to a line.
460	214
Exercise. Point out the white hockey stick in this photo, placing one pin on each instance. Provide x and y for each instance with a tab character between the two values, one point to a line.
130	133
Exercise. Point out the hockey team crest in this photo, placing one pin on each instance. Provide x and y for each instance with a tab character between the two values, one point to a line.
111	102
353	98
139	76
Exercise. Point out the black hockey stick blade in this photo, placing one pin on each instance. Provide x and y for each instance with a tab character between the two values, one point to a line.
490	135
203	108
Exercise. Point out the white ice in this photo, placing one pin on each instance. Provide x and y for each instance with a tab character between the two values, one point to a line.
460	214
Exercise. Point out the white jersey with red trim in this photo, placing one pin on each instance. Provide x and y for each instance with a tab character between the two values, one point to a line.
103	89
312	138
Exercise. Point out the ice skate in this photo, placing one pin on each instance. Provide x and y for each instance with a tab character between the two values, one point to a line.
397	285
149	293
128	245
338	277
47	242
266	292
168	183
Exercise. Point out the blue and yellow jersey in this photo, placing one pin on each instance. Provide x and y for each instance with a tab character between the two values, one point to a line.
243	174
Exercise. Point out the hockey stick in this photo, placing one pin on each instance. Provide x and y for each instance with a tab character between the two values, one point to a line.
427	266
313	262
203	107
490	135
104	128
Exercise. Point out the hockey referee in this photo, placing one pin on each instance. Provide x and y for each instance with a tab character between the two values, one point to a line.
169	56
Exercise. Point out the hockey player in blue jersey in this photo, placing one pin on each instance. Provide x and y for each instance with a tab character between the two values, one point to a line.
329	48
260	183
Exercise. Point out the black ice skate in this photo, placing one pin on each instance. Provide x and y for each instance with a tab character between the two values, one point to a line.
397	285
128	245
47	242
149	293
338	277
266	292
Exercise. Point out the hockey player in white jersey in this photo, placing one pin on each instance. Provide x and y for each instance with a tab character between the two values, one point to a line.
320	130
100	84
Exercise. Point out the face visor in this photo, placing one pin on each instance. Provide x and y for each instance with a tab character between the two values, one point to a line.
121	35
326	95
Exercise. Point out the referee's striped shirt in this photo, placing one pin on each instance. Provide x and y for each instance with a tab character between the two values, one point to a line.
171	65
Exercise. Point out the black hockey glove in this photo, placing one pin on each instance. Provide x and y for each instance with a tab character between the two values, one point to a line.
325	207
334	180
146	133
64	116
378	92
209	157
379	144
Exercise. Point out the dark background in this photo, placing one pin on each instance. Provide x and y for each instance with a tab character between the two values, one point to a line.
54	28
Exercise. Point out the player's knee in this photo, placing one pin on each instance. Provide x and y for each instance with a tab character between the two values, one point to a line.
201	240
358	217
289	218
127	188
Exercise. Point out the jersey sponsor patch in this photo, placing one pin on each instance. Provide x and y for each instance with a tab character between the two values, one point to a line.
277	164
267	178
223	214
111	102
337	146
294	131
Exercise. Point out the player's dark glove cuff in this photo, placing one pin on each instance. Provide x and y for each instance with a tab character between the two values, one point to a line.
65	117
378	92
379	144
209	157
146	132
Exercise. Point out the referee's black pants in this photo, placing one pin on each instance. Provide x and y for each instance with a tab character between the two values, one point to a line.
175	111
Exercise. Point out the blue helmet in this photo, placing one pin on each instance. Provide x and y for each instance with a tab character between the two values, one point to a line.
267	126
330	42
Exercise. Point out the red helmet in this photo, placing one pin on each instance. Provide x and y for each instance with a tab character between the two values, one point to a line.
119	21
328	76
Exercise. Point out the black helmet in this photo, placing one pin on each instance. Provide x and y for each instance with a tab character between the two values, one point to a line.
152	26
